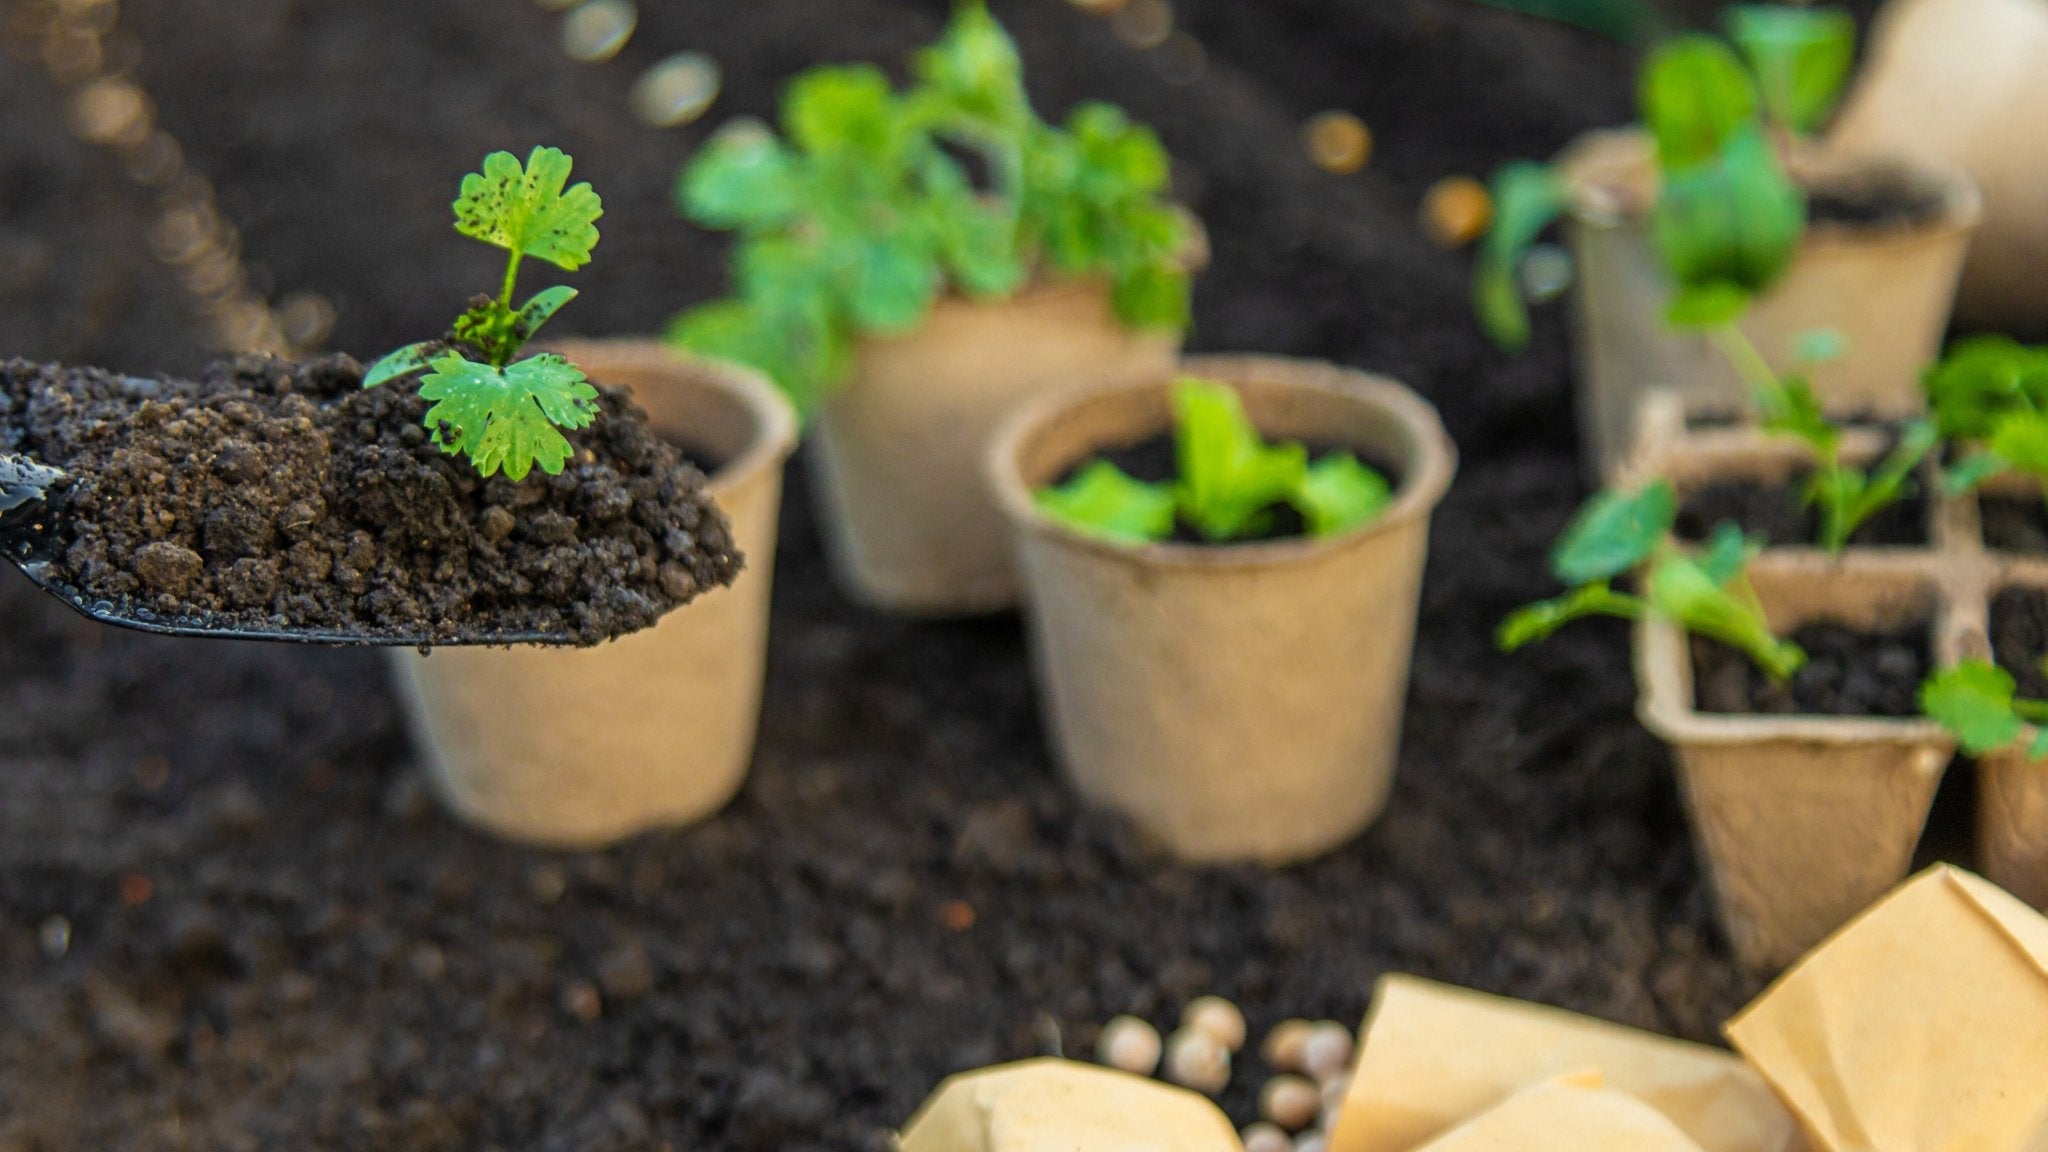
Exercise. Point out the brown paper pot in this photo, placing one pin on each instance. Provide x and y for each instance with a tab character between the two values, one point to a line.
2012	824
1239	702
909	520
1965	82
1888	292
584	747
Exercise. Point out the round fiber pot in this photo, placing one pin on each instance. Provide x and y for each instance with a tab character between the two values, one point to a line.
1238	702
585	747
1966	82
1887	289
909	520
2012	824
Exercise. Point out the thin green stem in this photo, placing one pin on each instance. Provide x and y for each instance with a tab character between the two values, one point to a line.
511	279
1749	363
2032	711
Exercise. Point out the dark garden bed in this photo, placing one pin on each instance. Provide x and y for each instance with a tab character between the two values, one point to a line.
231	917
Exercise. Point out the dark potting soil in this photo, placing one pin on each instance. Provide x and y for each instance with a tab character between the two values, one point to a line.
2019	637
2014	523
1848	672
285	496
1153	461
232	917
1776	513
1884	202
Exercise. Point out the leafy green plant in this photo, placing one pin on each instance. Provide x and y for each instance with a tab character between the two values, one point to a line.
1728	217
1979	703
1706	593
865	211
1230	481
502	413
1991	393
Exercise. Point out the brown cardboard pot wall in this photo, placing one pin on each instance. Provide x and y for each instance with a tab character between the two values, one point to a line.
579	748
1240	702
1888	292
1966	82
908	516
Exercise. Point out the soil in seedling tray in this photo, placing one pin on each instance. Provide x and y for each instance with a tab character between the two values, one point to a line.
2019	637
1153	461
1776	513
272	495
2014	523
1848	672
1883	202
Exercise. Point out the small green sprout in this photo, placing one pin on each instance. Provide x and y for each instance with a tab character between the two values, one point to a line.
1708	594
1230	481
862	213
1991	393
502	414
1728	218
1979	703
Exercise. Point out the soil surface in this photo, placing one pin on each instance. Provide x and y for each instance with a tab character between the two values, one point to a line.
2014	523
2019	638
275	496
233	917
1154	462
1779	515
1847	673
1885	202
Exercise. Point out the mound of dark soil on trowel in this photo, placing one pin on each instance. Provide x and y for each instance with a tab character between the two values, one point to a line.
271	495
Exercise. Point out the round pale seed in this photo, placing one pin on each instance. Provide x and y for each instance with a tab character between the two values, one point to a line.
1218	1017
1197	1060
1130	1044
1264	1137
1327	1052
1284	1044
1292	1102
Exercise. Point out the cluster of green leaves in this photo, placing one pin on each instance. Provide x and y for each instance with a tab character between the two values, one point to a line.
1706	593
498	413
865	211
1979	703
1991	393
1728	217
1229	481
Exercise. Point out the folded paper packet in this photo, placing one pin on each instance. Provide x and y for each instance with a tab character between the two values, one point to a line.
1434	1056
1568	1114
1921	1026
1063	1106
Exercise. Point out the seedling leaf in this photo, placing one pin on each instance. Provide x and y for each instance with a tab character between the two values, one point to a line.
744	178
403	362
1711	305
1683	589
1229	476
1101	499
1338	494
1613	533
1981	379
1974	701
1534	622
1527	199
1820	345
1801	57
507	418
1728	553
1736	220
1974	470
528	211
1695	96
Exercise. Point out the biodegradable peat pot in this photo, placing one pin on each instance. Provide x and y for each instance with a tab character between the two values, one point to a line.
909	520
2012	789
1887	290
1965	82
1239	702
585	747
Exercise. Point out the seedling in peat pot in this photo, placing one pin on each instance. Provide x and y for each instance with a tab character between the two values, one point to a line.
1707	594
1991	393
1229	483
1728	217
1978	702
868	209
503	413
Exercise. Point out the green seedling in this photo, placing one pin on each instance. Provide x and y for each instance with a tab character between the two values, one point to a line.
865	210
504	413
1230	481
1991	393
1728	217
1706	593
1979	703
1844	495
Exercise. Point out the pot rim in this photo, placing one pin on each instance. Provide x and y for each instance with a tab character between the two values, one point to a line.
775	428
1421	489
1962	200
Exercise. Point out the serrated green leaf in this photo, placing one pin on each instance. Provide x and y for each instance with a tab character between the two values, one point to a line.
487	326
528	210
403	362
1694	96
898	279
1735	221
1103	501
1539	621
845	112
2020	439
1338	494
744	178
1527	199
1801	57
975	68
1229	476
1614	533
508	418
1981	379
1974	701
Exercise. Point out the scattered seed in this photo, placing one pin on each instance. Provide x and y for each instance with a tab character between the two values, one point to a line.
1264	1137
1197	1060
1312	1140
547	883
1284	1045
1327	1052
53	936
136	889
1130	1044
1218	1017
1144	24
595	30
1547	271
957	915
1292	1102
1337	141
112	112
1456	211
676	91
581	1000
